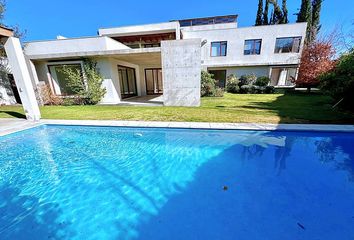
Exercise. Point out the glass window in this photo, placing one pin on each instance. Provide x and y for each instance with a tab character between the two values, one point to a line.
60	78
218	49
287	45
252	47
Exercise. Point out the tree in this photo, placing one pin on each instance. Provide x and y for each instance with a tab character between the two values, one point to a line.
285	13
317	59
277	13
339	83
315	22
265	13
259	13
305	15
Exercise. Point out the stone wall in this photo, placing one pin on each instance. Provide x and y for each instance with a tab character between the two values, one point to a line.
181	68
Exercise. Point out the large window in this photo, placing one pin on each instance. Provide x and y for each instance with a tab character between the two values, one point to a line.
287	45
127	81
252	47
218	49
59	79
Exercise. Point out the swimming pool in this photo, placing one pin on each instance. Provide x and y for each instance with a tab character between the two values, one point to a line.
82	182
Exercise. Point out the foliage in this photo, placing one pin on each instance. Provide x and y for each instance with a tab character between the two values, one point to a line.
232	84
208	86
259	13
219	92
316	26
262	81
247	79
339	83
277	16
47	97
269	89
248	88
285	13
316	59
265	13
87	86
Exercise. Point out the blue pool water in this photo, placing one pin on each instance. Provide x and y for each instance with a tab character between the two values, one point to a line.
72	182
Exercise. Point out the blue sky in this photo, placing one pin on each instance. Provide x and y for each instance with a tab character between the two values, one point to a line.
45	19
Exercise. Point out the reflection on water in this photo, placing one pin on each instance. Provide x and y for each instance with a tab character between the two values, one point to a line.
65	182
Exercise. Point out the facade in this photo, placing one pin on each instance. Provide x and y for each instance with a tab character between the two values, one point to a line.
167	58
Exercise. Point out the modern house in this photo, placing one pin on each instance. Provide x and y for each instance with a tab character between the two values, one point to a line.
167	58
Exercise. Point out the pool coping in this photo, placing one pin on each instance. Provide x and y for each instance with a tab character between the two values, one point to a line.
189	125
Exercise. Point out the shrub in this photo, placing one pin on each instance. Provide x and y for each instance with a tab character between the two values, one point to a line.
247	89
207	84
47	97
219	92
339	83
247	79
87	86
269	89
232	84
262	81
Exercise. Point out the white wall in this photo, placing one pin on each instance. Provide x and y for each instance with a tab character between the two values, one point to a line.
74	45
235	44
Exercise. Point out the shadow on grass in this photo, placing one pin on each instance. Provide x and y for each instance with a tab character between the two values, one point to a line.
304	108
13	114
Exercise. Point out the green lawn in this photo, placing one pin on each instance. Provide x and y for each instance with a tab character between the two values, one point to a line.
254	108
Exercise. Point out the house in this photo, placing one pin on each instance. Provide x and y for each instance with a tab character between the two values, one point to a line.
167	58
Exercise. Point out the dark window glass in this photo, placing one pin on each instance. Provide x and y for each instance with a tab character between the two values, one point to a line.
287	45
252	47
218	49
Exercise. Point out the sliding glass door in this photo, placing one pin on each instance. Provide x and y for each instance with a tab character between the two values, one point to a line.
153	79
127	81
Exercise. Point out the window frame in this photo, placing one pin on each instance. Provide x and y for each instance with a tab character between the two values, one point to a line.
218	42
293	38
253	52
63	63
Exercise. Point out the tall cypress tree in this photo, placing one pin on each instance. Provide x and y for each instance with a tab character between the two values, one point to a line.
316	26
305	15
259	13
277	16
265	13
285	12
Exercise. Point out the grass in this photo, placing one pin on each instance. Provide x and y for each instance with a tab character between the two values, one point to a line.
254	108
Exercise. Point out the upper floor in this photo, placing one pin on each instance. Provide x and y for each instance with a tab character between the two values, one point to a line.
223	43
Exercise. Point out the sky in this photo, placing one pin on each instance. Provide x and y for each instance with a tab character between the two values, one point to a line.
45	19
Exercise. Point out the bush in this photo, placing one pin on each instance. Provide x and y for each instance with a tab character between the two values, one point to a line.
232	84
269	89
247	79
247	89
208	87
87	86
207	84
219	92
339	83
262	81
47	97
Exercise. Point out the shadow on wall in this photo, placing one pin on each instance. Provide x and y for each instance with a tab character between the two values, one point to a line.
24	217
293	107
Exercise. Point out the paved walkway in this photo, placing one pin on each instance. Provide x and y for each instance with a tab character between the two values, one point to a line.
10	125
13	125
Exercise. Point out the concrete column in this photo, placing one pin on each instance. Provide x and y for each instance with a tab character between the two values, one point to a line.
22	78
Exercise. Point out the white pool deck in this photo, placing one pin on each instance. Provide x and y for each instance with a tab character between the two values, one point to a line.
8	126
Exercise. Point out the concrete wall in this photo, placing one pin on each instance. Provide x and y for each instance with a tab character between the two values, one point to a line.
181	69
239	71
236	37
74	45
